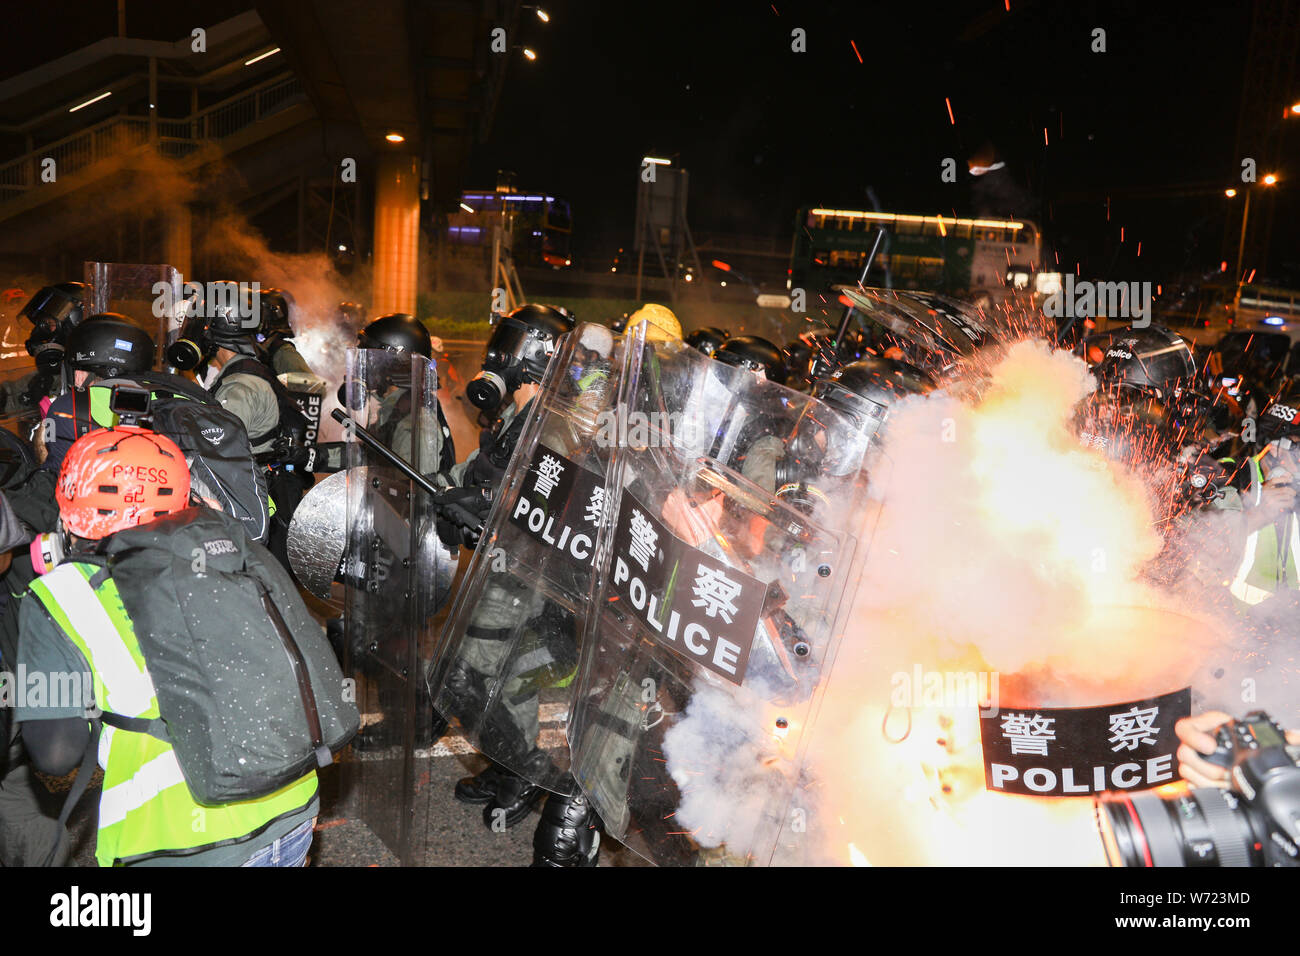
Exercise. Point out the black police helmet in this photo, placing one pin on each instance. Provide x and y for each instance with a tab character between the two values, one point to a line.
397	332
755	353
275	306
1152	359
865	390
707	340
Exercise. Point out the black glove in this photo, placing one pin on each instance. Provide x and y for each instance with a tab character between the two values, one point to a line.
330	457
461	512
291	457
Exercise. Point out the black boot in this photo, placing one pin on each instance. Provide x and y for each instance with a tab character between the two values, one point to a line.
566	836
481	787
512	801
515	795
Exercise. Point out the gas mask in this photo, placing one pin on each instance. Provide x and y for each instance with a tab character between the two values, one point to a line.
828	444
54	313
516	354
193	346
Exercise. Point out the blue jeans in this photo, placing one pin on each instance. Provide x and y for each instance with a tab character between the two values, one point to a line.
290	850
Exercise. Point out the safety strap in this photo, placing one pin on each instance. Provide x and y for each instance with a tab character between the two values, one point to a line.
79	785
299	665
139	725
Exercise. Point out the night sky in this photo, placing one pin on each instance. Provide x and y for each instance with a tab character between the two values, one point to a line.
1149	124
764	130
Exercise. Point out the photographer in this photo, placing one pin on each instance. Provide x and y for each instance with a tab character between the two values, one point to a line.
1197	736
1267	501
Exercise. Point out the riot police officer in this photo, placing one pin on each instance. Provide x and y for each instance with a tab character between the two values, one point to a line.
514	364
54	312
399	332
219	341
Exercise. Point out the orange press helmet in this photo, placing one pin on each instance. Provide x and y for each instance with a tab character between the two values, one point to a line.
116	478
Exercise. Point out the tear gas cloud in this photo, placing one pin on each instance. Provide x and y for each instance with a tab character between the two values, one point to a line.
1003	547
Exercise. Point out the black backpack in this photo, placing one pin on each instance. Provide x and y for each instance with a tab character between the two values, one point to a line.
250	692
223	474
293	427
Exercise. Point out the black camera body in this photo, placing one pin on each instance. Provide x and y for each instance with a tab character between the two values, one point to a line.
1254	823
131	405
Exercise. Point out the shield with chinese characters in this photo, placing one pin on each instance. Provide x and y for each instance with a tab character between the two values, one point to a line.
736	514
509	651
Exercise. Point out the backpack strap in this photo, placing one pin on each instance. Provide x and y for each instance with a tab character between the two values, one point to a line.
299	664
153	726
84	773
140	725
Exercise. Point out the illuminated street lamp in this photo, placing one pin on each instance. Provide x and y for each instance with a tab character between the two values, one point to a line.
395	137
1268	180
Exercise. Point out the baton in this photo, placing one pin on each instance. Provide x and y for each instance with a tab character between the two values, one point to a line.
862	281
438	495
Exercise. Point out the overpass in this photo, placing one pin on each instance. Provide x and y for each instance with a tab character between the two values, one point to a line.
127	148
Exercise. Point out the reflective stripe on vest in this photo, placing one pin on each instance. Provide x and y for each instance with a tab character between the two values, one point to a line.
1258	574
145	808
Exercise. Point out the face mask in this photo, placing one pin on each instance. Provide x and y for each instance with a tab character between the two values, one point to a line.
47	551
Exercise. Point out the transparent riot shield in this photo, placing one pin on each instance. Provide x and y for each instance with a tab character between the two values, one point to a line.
510	648
395	572
734	519
149	294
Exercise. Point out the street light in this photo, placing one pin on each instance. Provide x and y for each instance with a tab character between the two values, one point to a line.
1268	180
1230	192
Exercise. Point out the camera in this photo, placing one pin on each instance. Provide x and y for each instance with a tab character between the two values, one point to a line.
1256	822
131	405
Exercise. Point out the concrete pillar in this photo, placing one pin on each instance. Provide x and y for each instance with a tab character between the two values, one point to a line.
397	234
178	229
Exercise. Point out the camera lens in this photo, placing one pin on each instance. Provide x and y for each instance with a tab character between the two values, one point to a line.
1200	827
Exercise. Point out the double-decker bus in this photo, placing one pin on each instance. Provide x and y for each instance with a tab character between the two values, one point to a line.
539	225
971	258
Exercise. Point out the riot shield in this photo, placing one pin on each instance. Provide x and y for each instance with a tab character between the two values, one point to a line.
317	536
149	294
735	518
511	644
391	560
940	331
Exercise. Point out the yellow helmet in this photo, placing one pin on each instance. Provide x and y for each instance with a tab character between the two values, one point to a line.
663	325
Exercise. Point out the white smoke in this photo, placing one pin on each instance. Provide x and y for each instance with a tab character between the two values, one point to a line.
1003	548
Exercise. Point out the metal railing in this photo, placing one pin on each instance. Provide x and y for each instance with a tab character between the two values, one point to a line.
176	138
